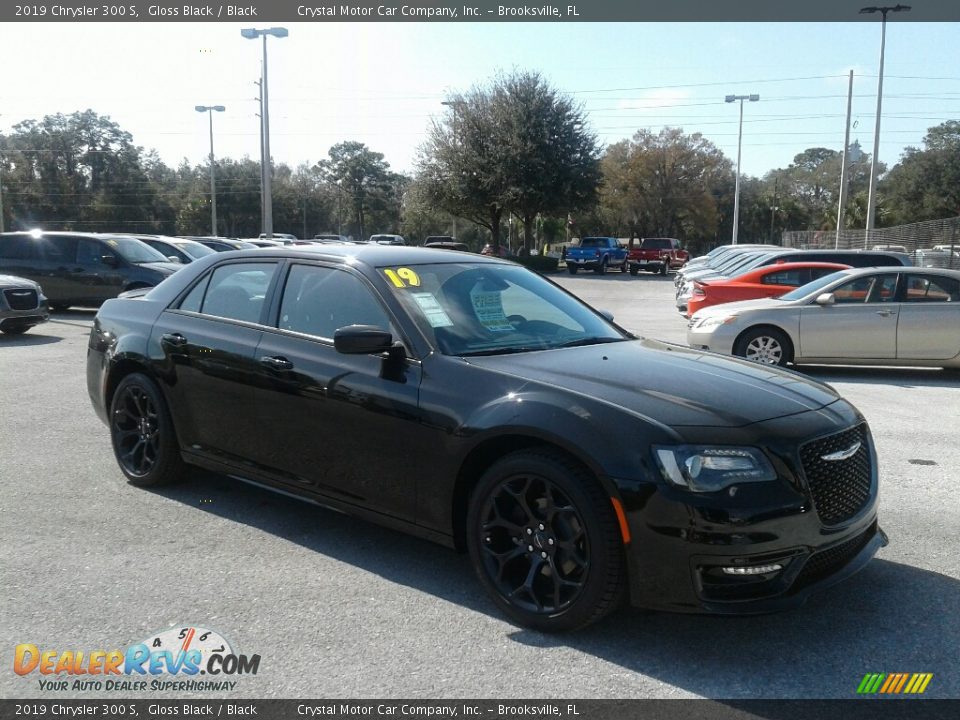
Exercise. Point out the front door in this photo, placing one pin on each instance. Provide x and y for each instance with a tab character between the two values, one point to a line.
862	324
345	426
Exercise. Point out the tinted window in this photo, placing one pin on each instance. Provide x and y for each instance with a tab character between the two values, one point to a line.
593	242
61	248
320	300
784	277
18	248
194	298
237	291
89	252
932	288
656	244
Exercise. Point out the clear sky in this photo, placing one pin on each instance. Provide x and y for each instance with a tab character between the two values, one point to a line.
381	83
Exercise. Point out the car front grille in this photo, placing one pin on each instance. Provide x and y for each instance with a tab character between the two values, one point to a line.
825	563
840	487
21	299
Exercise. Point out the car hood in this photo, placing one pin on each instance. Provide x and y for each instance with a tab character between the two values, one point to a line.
670	384
740	306
167	268
12	281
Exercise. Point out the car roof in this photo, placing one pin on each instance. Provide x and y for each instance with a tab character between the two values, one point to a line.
909	269
373	255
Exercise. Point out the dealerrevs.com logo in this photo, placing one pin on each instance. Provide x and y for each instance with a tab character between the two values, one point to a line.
180	652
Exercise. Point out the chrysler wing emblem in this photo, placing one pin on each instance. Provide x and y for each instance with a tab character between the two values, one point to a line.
842	454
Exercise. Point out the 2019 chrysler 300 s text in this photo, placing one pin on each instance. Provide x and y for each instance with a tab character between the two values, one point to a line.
475	403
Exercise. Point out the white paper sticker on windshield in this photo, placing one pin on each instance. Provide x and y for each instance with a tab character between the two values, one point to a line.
489	309
435	314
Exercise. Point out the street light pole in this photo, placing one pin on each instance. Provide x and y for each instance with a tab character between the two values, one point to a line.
252	34
872	197
736	192
209	110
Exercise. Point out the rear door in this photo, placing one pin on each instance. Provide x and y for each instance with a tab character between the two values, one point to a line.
204	349
862	324
91	278
929	325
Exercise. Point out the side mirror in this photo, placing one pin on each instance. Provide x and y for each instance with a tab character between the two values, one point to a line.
110	260
362	340
173	258
825	299
607	314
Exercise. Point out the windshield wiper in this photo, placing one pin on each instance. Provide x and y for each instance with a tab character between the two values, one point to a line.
587	341
501	351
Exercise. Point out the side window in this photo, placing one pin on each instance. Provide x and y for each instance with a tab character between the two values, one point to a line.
237	291
872	288
62	248
17	248
932	288
194	299
319	300
89	252
817	273
784	277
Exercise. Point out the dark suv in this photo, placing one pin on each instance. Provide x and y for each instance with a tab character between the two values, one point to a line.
82	268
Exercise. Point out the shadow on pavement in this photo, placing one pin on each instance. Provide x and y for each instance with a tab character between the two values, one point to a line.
900	377
31	337
889	618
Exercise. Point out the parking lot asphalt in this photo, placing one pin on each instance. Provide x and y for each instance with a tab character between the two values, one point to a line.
341	608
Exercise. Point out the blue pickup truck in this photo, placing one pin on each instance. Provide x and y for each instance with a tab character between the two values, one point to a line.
597	254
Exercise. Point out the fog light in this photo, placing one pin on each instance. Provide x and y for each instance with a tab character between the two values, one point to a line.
755	570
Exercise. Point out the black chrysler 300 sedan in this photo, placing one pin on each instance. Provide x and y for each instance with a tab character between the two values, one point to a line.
475	403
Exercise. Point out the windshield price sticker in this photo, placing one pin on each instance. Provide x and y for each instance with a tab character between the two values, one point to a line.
402	277
435	314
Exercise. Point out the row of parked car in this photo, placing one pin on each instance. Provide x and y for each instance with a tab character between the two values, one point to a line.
778	306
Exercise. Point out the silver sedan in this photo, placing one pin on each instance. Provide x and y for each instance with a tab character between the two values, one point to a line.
862	316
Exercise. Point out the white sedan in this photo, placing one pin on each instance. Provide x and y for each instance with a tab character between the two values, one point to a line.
862	316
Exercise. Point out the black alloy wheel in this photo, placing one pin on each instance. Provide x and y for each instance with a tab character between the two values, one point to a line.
144	442
544	541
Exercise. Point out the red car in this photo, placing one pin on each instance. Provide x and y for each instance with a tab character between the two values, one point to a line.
763	282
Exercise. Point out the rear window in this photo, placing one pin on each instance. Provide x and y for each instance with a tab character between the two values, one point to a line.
656	244
593	242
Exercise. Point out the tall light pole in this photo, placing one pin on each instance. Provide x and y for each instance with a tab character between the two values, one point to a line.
253	34
209	110
736	192
872	197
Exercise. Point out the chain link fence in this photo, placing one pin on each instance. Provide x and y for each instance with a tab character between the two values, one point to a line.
933	243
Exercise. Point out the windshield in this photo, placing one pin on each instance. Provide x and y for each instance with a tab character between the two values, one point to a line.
479	309
194	249
134	251
812	287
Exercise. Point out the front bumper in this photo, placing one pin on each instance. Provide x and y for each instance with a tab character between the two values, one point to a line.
682	541
719	338
24	318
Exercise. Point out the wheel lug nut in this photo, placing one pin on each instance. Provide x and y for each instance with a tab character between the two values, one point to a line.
550	541
543	555
529	531
530	548
541	526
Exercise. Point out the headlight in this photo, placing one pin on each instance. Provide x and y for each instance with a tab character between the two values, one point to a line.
712	321
706	468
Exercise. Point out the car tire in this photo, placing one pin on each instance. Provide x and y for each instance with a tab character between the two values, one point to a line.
141	430
542	499
625	268
765	345
601	269
634	270
59	307
664	267
572	269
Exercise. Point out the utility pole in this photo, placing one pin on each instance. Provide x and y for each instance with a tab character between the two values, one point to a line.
843	165
773	208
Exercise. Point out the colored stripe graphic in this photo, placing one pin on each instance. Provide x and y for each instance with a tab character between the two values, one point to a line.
894	683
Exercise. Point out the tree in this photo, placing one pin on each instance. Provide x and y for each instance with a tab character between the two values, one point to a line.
362	175
925	185
515	146
665	183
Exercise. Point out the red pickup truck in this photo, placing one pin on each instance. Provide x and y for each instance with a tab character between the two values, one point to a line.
657	255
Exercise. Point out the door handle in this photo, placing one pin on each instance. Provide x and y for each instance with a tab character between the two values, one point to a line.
885	313
276	363
174	339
